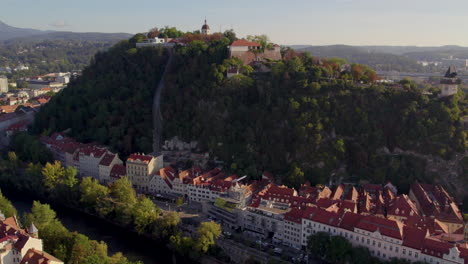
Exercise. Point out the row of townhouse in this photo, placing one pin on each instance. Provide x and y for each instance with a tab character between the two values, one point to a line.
22	246
385	238
424	225
372	216
93	161
89	160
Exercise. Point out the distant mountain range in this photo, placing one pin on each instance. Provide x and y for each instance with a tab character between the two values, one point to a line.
9	34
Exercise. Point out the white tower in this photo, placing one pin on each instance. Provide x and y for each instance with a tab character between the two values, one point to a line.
450	82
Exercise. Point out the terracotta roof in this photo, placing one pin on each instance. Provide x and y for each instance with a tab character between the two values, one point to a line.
168	172
337	194
107	159
350	220
387	227
118	171
435	248
8	108
325	203
325	217
413	237
243	42
92	151
34	256
139	157
220	185
21	242
435	201
402	206
295	215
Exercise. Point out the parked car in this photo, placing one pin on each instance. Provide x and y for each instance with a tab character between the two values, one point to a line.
278	250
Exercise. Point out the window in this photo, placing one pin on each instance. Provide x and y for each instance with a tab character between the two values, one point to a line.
410	253
404	251
368	241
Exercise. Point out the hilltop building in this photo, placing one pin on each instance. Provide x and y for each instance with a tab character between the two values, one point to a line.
252	53
3	84
450	82
205	30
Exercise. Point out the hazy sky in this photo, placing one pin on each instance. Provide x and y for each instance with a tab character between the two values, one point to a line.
315	22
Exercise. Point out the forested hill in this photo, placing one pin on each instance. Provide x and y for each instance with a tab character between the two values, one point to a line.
111	103
303	120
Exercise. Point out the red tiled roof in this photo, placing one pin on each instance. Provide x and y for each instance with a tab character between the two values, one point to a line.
299	201
243	42
402	206
295	215
387	227
325	203
325	217
92	151
435	201
21	242
168	172
220	185
139	157
34	256
435	248
107	159
118	171
413	237
350	220
338	192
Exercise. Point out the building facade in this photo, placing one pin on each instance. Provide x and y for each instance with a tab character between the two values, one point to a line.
140	169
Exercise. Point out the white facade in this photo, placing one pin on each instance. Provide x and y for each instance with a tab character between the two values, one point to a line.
158	185
449	89
104	170
264	222
292	234
89	163
200	192
140	170
3	85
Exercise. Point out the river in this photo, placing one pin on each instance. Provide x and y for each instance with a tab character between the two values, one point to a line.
118	239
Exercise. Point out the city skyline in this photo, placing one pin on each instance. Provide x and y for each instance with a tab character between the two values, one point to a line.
301	22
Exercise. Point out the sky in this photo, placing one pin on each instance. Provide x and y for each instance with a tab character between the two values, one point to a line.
286	22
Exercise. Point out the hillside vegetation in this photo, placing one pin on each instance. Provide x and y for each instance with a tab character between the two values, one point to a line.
303	120
112	102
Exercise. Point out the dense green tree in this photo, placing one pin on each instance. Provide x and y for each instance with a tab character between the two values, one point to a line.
207	233
54	175
124	197
145	214
6	207
92	193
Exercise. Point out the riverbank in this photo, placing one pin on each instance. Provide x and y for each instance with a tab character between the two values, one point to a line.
133	246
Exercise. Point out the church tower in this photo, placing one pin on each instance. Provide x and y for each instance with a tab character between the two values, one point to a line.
205	30
450	82
33	231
